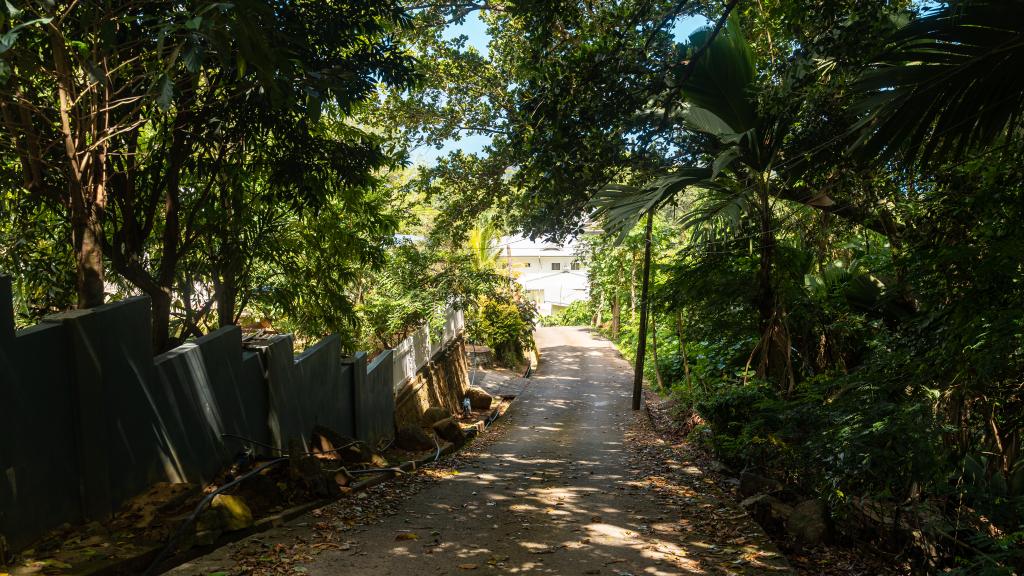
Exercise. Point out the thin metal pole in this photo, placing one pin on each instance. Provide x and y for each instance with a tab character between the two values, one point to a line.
641	345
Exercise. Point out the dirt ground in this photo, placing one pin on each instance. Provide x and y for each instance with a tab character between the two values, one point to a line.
562	487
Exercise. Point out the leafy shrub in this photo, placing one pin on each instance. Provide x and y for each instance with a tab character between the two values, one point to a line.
729	409
741	417
506	327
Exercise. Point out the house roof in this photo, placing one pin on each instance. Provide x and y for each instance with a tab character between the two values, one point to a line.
408	239
538	277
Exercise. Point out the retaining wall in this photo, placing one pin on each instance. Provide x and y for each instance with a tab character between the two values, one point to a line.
420	347
442	381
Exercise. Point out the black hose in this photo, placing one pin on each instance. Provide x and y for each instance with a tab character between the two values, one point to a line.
490	419
173	540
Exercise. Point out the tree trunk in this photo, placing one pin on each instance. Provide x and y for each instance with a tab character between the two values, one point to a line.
161	309
226	295
171	243
600	310
86	172
87	235
682	349
632	288
128	251
654	351
773	350
765	293
616	314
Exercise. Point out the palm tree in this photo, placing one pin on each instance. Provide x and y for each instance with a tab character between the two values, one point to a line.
945	84
483	244
718	102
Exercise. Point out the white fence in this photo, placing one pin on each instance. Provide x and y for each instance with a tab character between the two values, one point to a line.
415	351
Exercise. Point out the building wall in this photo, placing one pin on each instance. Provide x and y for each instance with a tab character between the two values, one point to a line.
542	264
551	289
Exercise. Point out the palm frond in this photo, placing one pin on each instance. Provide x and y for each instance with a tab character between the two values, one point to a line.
717	216
483	245
704	120
948	82
621	206
722	81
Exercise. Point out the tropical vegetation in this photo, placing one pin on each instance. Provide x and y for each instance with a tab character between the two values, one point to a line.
829	194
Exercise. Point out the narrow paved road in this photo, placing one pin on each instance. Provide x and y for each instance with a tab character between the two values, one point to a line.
558	493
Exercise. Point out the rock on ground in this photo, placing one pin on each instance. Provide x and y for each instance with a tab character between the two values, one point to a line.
808	524
752	484
413	438
479	399
450	430
768	511
435	414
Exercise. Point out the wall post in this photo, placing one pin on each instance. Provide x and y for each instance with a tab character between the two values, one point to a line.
90	416
6	310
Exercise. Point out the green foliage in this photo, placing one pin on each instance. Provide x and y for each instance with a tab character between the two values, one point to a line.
942	85
215	134
579	313
903	326
731	409
35	251
837	188
499	322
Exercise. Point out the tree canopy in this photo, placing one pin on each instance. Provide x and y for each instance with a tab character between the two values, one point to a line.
834	189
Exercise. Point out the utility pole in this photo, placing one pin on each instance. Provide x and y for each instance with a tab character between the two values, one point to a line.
641	344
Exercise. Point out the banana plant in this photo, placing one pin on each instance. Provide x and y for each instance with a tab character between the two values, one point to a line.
484	245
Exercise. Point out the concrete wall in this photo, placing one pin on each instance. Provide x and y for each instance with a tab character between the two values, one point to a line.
39	477
375	400
89	418
418	348
316	388
440	382
204	392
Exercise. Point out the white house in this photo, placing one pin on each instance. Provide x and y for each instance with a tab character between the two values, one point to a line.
551	274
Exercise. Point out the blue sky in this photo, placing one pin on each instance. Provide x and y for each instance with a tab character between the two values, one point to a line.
476	33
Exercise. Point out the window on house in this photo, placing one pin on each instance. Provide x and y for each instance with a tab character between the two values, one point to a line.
556	265
574	266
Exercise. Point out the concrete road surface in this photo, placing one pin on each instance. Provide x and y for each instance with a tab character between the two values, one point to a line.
557	493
